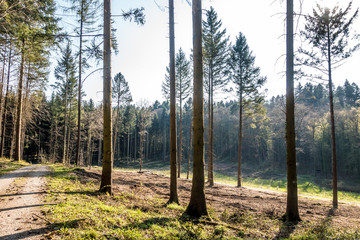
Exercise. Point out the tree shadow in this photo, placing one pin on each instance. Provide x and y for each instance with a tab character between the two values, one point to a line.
21	194
148	223
26	206
286	229
25	174
25	234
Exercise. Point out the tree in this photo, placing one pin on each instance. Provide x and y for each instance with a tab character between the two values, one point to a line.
87	14
173	135
292	209
182	92
144	120
197	204
65	74
215	54
34	34
248	81
328	32
106	175
121	93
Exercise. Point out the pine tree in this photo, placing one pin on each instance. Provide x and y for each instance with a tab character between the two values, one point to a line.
215	45
248	82
66	86
122	95
328	32
182	92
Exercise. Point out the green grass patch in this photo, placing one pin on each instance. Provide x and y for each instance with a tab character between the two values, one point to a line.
306	185
7	165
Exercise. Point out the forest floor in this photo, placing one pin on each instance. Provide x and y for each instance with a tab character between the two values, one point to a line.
21	193
65	205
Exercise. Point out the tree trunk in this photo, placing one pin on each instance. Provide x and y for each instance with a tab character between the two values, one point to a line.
65	126
77	158
180	139
332	121
17	154
2	84
106	176
88	147
197	204
135	145
211	139
99	153
142	140
128	147
292	211
115	127
189	159
3	127
68	138
239	177
173	180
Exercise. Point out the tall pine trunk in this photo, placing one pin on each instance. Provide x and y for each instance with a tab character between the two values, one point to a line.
106	176
173	181
189	159
65	124
197	204
292	210
239	177
78	146
3	123
17	154
332	122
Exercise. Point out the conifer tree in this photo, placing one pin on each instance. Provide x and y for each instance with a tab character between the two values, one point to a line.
328	33
215	45
182	92
247	80
121	93
65	73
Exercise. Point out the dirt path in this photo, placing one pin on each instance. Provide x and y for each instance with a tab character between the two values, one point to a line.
20	200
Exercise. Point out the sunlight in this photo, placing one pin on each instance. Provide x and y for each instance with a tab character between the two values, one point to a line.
329	3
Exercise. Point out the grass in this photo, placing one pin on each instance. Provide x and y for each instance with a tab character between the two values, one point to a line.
7	165
82	213
306	185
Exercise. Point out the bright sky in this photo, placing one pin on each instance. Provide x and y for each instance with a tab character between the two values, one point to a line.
144	55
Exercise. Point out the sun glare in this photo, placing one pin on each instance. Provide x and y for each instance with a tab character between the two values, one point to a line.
329	3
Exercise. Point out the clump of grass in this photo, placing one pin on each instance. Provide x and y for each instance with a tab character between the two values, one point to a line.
7	165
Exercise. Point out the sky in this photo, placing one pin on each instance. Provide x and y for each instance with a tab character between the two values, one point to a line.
143	50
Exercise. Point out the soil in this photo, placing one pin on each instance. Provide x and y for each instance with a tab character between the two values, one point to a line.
227	198
21	192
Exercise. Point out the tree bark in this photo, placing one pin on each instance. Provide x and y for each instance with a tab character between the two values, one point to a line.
332	121
239	178
106	176
2	143
2	85
65	125
180	139
197	204
189	159
17	154
77	158
292	211
173	135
